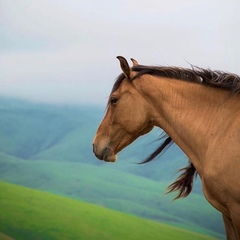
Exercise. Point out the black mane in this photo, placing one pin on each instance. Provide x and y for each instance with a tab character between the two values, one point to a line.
207	77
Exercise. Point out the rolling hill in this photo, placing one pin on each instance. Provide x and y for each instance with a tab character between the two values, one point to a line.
32	214
49	148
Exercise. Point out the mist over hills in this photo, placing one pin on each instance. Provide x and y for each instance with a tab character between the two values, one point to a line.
48	147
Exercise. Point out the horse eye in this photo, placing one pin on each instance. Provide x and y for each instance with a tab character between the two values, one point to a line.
113	100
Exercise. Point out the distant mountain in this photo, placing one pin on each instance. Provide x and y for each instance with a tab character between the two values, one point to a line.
27	129
48	147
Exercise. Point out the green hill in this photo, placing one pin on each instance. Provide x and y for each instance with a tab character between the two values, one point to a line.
112	188
31	214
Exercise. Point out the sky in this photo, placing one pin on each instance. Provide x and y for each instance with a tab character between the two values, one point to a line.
64	51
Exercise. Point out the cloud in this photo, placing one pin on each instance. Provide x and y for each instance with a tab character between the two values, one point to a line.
50	45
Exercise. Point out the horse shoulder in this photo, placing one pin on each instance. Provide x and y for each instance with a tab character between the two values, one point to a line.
220	182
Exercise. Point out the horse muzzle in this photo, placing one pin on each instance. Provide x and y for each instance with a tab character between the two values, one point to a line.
106	154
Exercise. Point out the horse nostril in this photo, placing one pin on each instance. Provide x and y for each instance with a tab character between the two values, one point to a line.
104	151
93	148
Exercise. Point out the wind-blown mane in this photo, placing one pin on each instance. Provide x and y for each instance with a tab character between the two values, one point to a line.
207	77
199	75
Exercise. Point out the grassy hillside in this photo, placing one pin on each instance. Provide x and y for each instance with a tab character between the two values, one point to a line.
49	148
31	214
114	189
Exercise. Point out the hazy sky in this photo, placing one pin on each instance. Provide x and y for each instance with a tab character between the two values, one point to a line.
65	50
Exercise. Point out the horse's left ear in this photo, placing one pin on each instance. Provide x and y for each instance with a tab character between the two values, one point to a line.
124	66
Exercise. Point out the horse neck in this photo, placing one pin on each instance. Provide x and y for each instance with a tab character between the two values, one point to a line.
191	114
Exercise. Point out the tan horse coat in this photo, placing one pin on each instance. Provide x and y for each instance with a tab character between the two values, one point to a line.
203	121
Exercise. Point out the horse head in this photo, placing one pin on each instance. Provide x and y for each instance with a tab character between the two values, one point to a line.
126	118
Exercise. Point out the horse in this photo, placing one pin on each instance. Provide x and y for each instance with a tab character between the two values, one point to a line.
199	110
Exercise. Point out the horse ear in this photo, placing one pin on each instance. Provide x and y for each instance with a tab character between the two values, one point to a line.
124	66
135	63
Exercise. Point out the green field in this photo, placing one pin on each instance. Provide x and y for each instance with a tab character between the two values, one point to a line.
32	214
113	189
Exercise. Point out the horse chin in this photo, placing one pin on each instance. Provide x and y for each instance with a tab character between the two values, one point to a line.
110	158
